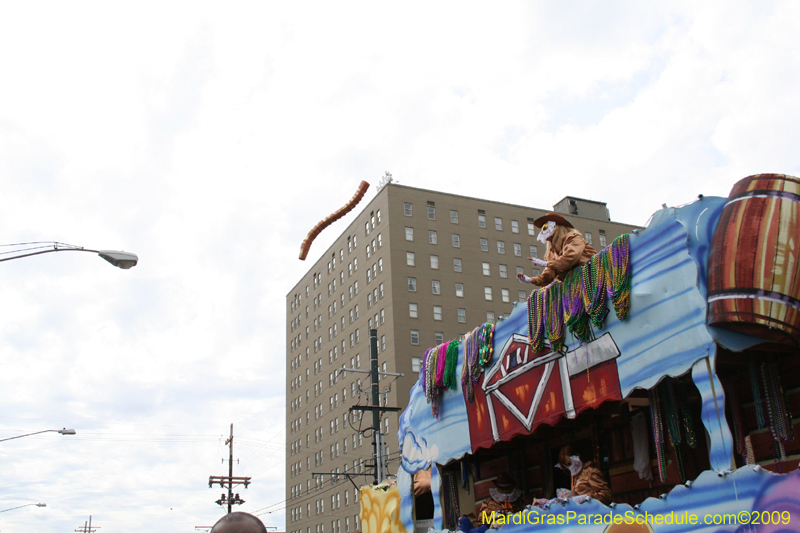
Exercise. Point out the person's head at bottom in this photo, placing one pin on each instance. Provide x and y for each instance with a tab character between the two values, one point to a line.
239	523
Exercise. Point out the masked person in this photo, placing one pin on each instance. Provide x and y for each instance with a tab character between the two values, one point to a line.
587	480
504	497
566	249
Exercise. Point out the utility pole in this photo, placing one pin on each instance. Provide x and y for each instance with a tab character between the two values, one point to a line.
87	527
377	440
229	481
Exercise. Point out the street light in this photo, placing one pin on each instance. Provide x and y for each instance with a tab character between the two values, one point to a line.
119	259
64	431
27	504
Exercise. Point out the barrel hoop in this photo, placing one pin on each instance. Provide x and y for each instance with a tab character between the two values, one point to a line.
764	193
757	294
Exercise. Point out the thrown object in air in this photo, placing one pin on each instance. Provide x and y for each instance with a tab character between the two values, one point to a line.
327	221
753	271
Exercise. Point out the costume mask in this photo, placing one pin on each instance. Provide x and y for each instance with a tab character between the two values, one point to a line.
574	466
546	232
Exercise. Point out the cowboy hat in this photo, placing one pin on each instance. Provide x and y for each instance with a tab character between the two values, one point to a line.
552	217
504	481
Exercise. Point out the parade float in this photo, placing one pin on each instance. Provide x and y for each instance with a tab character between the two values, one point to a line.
670	360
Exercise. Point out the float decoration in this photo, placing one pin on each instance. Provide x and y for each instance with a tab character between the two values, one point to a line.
327	221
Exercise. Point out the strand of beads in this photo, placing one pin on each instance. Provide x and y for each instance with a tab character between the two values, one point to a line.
441	362
575	317
486	343
594	290
658	431
783	415
536	320
472	369
673	424
426	371
554	316
776	445
738	429
687	417
618	274
449	380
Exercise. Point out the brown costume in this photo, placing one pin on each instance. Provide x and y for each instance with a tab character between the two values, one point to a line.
566	250
591	482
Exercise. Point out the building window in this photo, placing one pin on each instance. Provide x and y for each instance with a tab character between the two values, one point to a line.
380	290
487	271
514	226
412	284
536	272
603	238
435	262
378	215
522	296
484	245
456	241
410	259
501	247
487	293
435	287
456	265
498	223
409	234
531	227
503	271
588	237
489	316
432	237
520	270
462	315
481	219
438	338
414	336
437	312
534	251
453	217
380	264
459	290
413	311
407	209
505	295
416	364
431	211
517	249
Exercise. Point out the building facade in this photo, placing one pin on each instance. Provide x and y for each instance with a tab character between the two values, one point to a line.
420	267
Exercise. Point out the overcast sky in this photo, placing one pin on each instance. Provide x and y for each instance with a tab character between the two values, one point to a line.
210	137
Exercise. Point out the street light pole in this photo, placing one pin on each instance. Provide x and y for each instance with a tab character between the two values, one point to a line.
26	505
119	259
64	431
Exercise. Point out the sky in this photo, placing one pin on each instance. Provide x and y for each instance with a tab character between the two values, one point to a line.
210	137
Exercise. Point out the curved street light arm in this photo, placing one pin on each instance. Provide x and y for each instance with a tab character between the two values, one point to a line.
119	259
26	505
64	431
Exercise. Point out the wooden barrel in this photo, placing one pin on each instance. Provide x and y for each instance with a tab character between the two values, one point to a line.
753	271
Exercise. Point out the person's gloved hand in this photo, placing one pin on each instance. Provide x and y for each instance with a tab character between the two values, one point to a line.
538	262
522	278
